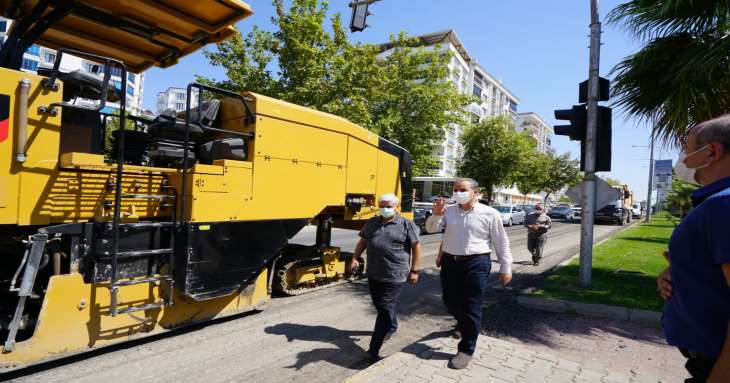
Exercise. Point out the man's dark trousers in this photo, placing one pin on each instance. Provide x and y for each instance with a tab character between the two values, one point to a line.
535	244
699	366
464	283
385	296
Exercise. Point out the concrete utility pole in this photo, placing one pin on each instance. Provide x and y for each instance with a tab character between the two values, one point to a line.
647	219
589	183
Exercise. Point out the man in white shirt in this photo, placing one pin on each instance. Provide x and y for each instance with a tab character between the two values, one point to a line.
472	232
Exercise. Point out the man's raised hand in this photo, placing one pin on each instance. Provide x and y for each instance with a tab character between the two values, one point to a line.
439	207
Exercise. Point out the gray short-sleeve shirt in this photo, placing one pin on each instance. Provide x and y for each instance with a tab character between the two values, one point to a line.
389	248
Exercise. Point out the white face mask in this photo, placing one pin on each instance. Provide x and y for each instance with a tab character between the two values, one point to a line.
462	197
387	212
685	173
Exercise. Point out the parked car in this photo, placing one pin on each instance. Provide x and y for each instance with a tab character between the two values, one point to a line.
420	215
561	212
576	211
636	211
613	213
511	214
527	208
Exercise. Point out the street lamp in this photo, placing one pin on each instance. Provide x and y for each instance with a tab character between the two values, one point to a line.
647	219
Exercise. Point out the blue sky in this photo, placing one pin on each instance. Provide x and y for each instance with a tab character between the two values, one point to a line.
537	48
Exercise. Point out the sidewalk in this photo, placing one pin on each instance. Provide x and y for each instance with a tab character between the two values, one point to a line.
530	346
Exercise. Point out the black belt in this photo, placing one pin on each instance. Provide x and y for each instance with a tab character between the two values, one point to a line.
466	257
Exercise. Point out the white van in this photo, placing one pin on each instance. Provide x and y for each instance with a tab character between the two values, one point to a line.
636	211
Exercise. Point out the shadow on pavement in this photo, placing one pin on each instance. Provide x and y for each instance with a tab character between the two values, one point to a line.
506	319
663	241
422	349
346	354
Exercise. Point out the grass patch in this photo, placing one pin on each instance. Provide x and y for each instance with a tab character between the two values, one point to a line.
625	269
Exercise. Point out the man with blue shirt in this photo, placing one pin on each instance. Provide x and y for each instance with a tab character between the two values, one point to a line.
697	283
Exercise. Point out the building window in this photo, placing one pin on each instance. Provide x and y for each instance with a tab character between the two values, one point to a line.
476	90
30	64
180	106
117	84
513	106
3	25
180	96
49	57
34	50
93	68
131	78
130	90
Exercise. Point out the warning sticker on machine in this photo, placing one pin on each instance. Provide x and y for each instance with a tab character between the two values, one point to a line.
4	116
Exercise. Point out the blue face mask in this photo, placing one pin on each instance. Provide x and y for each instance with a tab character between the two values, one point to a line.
387	212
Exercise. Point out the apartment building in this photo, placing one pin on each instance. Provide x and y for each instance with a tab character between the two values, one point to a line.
536	128
469	77
37	56
175	98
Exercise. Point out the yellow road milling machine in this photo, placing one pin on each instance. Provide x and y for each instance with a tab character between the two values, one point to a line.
109	234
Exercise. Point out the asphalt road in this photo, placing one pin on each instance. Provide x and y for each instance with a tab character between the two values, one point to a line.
316	337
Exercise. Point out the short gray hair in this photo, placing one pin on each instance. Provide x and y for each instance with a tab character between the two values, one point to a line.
715	130
389	197
473	184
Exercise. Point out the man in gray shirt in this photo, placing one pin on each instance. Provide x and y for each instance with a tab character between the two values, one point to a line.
393	250
537	224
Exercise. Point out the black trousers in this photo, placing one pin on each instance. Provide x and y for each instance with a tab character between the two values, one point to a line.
385	298
464	283
535	244
699	366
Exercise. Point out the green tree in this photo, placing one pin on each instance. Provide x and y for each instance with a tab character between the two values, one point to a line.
562	171
681	196
403	96
682	74
532	175
493	153
612	181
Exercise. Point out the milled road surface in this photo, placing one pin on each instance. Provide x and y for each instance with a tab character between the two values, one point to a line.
316	337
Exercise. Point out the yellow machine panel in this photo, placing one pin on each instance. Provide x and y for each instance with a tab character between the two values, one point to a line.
41	143
361	174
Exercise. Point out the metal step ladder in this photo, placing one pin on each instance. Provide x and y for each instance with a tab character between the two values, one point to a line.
166	201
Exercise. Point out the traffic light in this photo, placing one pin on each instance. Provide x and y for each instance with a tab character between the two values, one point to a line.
358	21
603	90
578	117
603	140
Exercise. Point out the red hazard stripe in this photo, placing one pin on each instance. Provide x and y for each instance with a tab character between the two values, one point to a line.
4	129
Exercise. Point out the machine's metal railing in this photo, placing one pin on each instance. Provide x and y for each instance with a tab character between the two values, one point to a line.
249	119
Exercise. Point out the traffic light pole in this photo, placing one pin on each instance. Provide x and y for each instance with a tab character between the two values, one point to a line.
589	183
647	219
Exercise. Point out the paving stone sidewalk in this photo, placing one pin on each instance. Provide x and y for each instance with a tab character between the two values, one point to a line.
495	361
520	344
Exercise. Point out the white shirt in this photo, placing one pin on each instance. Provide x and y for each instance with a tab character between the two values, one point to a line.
476	231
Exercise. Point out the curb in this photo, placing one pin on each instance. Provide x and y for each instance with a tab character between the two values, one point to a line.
591	309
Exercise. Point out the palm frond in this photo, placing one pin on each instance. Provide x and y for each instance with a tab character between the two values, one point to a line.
652	18
675	81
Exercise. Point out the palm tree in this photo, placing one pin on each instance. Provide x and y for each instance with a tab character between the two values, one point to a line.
681	196
682	74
